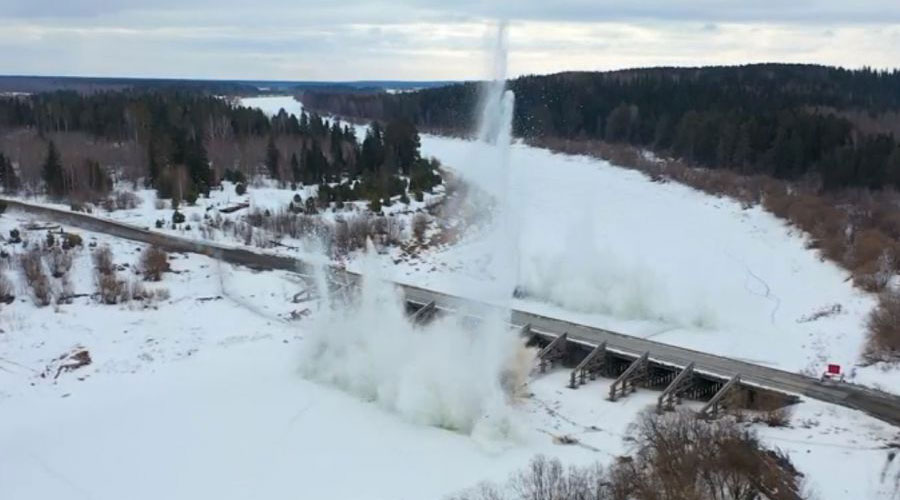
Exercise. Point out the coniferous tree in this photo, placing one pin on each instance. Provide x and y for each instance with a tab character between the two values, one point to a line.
892	172
372	155
401	145
337	148
619	123
272	159
152	169
350	134
304	123
317	126
9	180
197	162
53	174
315	165
98	181
296	173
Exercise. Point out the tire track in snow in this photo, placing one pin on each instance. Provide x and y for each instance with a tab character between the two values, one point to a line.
59	477
768	295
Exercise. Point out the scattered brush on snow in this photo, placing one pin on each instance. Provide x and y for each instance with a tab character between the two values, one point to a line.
121	200
825	312
565	439
112	289
56	255
59	261
137	291
676	456
347	233
546	479
440	374
103	260
77	358
884	329
32	264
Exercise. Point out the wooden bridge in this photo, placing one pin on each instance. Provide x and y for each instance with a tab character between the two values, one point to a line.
631	370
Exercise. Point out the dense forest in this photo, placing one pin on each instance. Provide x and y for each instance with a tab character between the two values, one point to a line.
183	143
788	121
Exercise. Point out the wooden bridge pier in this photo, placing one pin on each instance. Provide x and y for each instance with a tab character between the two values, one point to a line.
555	351
627	381
671	395
589	367
711	408
424	314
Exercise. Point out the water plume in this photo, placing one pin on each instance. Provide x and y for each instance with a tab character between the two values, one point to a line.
448	373
490	157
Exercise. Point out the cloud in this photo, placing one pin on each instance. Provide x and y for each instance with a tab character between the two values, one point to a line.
769	11
422	39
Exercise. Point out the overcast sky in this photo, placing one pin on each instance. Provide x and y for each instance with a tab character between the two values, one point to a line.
431	39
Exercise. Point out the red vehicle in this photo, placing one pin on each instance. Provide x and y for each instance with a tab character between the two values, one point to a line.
833	373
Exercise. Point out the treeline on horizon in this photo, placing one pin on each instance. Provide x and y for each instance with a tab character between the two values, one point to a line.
787	121
184	143
89	85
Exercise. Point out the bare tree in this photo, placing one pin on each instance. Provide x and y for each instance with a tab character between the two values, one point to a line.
103	260
154	262
35	277
59	261
884	329
679	456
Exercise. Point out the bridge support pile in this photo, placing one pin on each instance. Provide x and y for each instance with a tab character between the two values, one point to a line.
555	351
589	367
628	380
671	395
424	314
711	408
